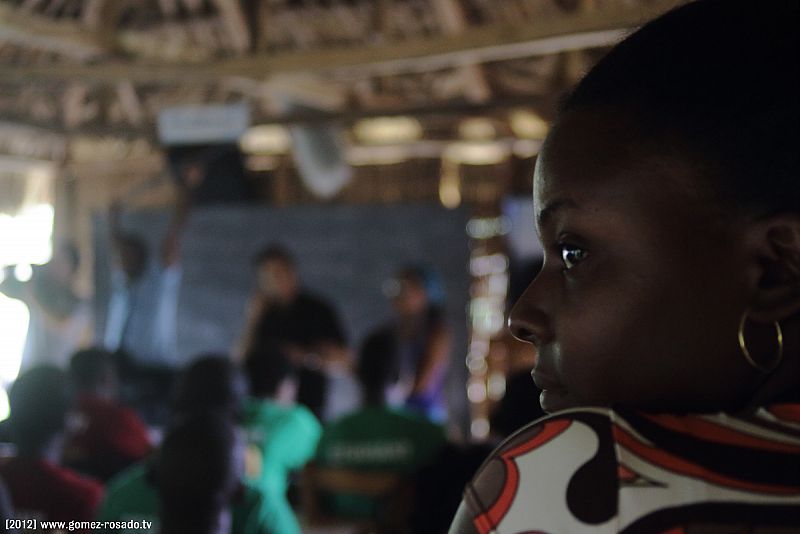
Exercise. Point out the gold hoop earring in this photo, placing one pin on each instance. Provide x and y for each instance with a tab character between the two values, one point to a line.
743	346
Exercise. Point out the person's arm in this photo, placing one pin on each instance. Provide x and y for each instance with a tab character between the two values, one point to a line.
330	356
170	251
434	362
332	351
33	299
114	213
51	318
255	311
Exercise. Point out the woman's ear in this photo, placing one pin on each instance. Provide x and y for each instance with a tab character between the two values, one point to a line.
776	246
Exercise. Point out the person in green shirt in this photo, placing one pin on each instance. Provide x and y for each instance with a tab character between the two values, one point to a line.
282	436
376	437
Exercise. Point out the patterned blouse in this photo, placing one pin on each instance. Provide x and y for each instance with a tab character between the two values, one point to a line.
603	471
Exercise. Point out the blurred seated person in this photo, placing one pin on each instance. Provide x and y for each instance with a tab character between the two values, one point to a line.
302	325
198	473
376	438
60	318
212	382
107	436
419	343
440	485
282	435
210	385
40	401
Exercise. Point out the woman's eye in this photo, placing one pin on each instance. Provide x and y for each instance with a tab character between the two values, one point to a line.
572	255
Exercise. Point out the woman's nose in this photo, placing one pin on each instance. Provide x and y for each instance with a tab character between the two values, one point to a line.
528	321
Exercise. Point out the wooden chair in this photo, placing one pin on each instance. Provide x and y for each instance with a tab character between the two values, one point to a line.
393	490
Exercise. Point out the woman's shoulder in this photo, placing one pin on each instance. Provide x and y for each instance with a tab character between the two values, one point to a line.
560	466
774	428
574	466
550	427
558	437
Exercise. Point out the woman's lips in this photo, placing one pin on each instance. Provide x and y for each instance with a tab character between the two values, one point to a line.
554	396
553	400
545	380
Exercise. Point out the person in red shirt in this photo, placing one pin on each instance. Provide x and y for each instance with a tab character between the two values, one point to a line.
108	437
40	488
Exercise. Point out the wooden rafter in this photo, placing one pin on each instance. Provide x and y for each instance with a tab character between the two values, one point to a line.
554	33
453	21
66	37
235	24
28	141
102	18
450	14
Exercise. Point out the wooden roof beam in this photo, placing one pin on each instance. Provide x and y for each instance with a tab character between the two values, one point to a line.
235	24
547	35
453	21
451	17
64	37
102	18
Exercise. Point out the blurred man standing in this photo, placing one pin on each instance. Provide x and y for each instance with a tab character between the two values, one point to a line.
304	326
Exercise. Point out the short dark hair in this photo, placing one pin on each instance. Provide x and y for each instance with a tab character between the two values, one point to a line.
377	363
40	400
413	273
194	470
211	383
88	367
135	243
426	278
273	252
266	366
717	79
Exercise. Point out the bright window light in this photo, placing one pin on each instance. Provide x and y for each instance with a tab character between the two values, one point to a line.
4	411
26	237
23	272
13	328
26	234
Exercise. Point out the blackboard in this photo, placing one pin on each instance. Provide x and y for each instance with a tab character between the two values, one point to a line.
344	253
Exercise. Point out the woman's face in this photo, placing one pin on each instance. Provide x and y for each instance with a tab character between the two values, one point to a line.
277	279
411	299
643	283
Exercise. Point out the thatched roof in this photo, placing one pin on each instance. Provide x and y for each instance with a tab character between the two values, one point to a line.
107	67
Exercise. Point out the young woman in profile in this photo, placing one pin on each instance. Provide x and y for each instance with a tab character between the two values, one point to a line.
667	312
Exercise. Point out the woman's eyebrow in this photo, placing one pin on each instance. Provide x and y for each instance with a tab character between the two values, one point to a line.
553	207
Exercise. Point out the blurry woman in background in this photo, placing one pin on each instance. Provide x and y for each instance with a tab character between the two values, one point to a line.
420	342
